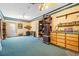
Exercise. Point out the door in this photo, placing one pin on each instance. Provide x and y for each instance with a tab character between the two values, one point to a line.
11	29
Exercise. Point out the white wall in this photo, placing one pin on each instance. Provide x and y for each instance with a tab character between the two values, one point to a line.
35	27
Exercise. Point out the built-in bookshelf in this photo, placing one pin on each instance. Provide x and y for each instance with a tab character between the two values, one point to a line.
45	28
41	25
68	24
4	29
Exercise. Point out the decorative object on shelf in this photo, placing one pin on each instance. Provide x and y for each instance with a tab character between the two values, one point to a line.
20	26
68	24
68	30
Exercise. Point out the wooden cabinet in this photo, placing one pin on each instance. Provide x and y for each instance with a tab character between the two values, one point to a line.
58	39
72	41
61	39
74	48
69	41
53	38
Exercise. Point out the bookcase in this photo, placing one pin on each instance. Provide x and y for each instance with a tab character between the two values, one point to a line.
45	28
41	28
4	29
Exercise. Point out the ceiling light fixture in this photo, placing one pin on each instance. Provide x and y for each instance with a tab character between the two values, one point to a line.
43	6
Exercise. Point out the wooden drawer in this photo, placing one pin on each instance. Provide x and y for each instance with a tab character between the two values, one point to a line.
53	38
61	37
72	47
62	34
73	43
61	40
70	38
61	44
54	33
53	42
72	35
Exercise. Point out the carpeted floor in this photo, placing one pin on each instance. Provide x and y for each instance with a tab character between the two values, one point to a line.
29	46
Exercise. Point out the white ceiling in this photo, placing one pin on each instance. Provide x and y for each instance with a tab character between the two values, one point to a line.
31	11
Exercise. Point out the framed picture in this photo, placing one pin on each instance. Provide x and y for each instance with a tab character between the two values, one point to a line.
20	26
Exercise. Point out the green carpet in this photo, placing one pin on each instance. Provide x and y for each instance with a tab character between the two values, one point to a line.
29	46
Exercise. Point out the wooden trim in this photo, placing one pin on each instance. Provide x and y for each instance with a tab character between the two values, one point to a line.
67	14
71	45
72	36
61	38
60	42
71	40
56	37
65	40
64	8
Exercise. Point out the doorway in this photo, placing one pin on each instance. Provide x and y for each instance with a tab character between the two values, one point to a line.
11	29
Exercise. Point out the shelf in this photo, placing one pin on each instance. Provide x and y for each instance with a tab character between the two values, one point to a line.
74	23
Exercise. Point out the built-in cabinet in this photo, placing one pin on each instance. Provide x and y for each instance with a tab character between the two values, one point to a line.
61	39
66	40
72	41
53	38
